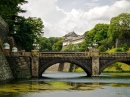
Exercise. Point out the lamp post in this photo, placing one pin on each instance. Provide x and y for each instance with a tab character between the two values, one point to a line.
6	49
90	47
36	45
14	50
95	45
6	46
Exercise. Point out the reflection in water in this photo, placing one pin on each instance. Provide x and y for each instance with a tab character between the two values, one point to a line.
70	85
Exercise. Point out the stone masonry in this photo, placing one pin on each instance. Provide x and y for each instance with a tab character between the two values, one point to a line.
20	66
5	71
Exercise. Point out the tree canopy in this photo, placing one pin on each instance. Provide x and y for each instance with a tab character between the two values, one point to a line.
120	26
50	44
24	30
9	10
106	34
98	33
28	30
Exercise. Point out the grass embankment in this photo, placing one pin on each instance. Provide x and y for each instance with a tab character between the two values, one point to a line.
116	67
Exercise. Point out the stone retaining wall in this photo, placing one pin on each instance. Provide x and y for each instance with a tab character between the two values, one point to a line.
5	71
20	66
4	30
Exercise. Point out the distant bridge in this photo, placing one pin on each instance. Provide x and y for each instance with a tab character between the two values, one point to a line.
93	62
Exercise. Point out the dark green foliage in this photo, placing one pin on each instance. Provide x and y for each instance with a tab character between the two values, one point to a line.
118	66
69	48
102	48
75	48
118	50
106	35
9	10
98	33
44	44
50	44
57	46
24	30
82	46
27	31
125	47
120	26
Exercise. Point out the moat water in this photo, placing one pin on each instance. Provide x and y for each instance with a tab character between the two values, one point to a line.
62	84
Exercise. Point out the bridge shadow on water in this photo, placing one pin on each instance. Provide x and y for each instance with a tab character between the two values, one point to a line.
63	75
104	78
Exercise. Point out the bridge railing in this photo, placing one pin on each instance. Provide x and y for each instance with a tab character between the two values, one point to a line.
117	54
64	54
20	53
73	54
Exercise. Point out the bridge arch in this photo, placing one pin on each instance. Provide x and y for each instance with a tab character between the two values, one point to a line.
44	66
110	62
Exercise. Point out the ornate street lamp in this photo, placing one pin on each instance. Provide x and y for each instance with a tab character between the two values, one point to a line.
95	44
6	46
36	45
6	49
90	47
14	49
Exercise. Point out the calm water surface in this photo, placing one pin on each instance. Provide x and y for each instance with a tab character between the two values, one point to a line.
61	84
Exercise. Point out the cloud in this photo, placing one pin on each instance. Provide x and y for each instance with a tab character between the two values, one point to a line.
59	22
122	6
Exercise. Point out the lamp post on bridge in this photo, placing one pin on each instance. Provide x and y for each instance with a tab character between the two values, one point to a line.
6	49
36	45
94	53
93	47
14	50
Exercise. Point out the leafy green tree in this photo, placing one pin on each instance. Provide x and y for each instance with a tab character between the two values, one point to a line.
98	33
82	46
120	27
9	10
69	48
28	30
50	44
57	46
44	44
102	48
53	40
125	47
118	50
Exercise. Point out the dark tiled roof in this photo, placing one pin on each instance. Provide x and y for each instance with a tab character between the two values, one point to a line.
71	34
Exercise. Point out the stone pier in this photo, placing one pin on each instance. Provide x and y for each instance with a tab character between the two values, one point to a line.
35	63
95	62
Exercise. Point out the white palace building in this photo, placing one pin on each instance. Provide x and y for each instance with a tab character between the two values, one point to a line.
72	38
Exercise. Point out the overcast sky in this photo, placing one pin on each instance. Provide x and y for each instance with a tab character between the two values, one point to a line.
63	16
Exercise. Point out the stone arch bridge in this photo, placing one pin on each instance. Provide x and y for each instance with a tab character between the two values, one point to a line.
34	63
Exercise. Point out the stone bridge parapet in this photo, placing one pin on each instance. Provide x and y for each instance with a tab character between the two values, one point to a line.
93	63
